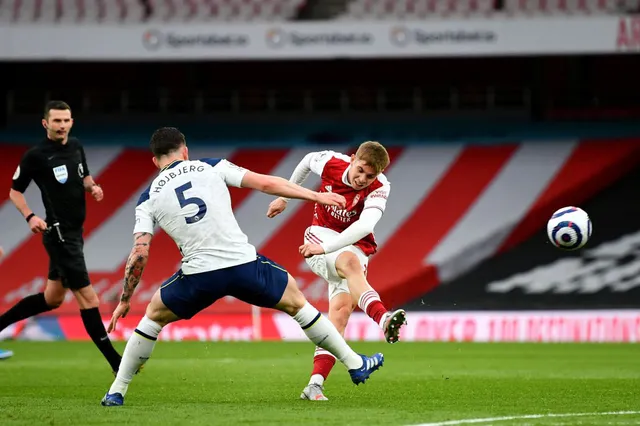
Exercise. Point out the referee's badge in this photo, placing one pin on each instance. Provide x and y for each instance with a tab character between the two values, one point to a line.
16	175
80	170
61	173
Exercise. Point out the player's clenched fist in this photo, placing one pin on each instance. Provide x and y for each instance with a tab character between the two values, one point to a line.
276	207
331	199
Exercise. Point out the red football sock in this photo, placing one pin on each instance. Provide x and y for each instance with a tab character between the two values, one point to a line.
370	303
323	364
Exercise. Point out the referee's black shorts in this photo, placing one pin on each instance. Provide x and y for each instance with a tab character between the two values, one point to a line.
66	259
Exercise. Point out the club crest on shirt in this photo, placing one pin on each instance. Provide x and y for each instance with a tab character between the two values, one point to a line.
80	170
61	173
355	200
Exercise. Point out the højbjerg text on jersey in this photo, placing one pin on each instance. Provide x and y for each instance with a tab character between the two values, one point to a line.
190	201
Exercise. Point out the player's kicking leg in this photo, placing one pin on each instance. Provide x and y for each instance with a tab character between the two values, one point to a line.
186	297
341	306
325	335
349	267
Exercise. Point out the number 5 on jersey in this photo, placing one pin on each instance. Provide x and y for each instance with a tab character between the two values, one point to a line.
184	202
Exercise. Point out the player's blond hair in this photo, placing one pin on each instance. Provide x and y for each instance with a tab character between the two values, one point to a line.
374	154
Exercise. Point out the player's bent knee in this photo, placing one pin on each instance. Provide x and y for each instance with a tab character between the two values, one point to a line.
54	293
158	312
87	297
54	301
292	300
348	264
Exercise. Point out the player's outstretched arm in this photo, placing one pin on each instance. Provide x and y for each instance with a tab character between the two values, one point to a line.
136	263
312	162
274	185
302	170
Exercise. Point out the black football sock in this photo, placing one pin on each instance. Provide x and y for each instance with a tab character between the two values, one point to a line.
93	324
27	307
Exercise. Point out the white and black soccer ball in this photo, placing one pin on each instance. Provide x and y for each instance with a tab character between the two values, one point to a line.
569	228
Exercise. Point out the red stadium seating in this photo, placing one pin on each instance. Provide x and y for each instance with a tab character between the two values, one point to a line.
159	11
420	9
130	11
412	9
569	6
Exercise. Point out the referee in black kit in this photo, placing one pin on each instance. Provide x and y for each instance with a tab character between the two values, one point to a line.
59	168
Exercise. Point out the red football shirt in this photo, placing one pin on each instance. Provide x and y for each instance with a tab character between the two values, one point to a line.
333	168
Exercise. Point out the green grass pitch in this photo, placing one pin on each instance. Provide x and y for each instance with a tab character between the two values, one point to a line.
199	383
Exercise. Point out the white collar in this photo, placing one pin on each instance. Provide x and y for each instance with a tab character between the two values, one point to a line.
344	177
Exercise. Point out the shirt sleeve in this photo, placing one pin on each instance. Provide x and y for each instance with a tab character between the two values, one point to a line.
85	166
231	173
320	159
312	162
355	232
25	172
378	198
145	221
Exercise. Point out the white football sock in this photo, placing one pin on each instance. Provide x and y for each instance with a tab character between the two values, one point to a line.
384	319
136	353
316	379
321	332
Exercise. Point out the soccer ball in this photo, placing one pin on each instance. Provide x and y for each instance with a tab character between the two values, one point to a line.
569	228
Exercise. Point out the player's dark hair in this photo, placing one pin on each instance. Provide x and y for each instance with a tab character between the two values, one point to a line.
61	105
166	140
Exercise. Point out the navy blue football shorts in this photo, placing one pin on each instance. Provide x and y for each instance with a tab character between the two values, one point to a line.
261	283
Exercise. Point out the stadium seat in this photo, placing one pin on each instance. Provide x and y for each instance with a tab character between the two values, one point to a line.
553	7
415	9
176	11
421	9
132	11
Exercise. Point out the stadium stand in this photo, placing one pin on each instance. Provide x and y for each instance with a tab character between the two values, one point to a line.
131	11
420	9
167	11
414	9
588	7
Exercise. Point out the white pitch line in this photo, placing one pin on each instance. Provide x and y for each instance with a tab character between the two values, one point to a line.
527	416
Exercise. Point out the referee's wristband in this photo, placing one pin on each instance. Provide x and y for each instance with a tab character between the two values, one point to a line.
28	218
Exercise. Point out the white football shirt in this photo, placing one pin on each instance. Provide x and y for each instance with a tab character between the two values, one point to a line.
190	201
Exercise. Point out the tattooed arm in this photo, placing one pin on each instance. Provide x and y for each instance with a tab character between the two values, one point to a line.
135	264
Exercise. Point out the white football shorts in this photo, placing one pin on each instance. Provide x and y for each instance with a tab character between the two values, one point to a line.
324	265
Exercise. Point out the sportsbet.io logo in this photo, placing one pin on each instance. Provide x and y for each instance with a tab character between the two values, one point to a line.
152	39
400	36
275	37
155	40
